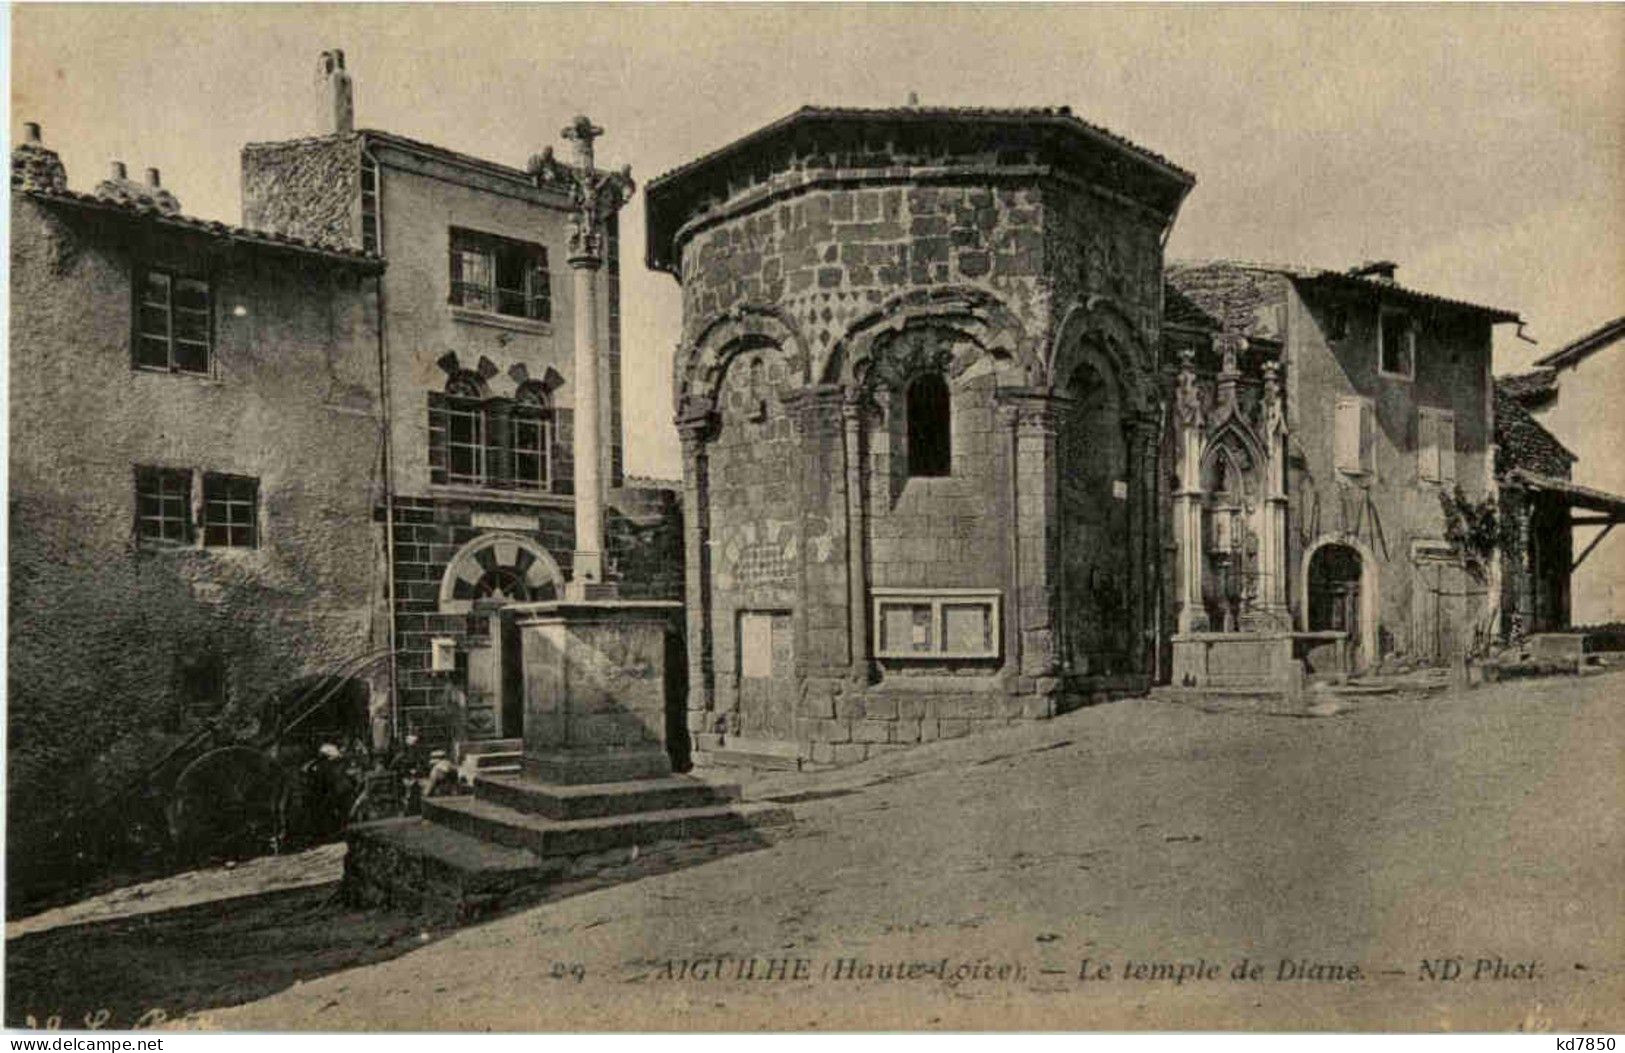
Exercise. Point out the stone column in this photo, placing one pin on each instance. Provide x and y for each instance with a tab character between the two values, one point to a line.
1034	605
856	558
1272	535
1144	536
1005	418
589	496
694	430
1188	498
597	195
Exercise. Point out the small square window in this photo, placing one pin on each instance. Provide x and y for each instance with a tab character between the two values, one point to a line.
230	511
163	506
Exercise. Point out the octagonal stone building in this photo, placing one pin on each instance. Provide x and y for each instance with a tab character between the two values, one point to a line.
918	394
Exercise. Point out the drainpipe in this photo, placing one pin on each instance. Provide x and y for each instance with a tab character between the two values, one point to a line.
385	402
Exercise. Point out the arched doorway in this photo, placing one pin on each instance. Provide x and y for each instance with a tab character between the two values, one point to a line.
1094	486
1336	599
487	574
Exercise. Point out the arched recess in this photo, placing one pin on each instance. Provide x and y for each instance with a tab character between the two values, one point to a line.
700	367
496	568
1232	489
1364	653
1097	500
988	325
1099	327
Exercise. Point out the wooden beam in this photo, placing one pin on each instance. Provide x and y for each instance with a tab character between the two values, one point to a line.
1593	520
1594	541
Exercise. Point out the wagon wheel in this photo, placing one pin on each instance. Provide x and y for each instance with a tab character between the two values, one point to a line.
232	797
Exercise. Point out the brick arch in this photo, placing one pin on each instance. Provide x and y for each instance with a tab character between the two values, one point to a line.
746	327
497	554
1102	324
981	316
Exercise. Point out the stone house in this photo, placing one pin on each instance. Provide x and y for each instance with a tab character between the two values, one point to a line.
477	315
1573	394
918	395
1338	535
194	457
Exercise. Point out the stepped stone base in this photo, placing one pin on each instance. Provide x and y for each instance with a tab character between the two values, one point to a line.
515	838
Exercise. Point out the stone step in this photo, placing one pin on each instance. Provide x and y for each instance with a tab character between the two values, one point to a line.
734	751
597	800
486	747
422	867
568	837
493	763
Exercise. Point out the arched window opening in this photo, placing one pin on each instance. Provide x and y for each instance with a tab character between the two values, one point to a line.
929	426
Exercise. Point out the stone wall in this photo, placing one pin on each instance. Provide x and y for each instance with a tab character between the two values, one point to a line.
844	292
103	627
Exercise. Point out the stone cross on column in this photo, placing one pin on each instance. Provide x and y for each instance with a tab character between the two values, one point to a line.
597	195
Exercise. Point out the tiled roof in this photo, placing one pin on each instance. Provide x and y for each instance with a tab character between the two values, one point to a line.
1522	442
1577	350
213	228
1531	388
1060	116
1322	275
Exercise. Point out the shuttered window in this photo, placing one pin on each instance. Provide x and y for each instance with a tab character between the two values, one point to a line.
1354	435
1436	445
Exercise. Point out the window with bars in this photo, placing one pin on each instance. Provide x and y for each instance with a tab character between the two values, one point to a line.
500	276
230	511
163	500
173	323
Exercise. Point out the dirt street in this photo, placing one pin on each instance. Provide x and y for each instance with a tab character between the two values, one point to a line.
1140	864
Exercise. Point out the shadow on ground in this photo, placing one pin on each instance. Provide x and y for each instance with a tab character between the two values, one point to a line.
144	969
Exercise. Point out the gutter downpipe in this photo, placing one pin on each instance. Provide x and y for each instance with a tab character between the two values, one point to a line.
395	732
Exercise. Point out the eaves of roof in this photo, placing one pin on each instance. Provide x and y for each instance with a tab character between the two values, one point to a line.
1342	279
1058	116
209	228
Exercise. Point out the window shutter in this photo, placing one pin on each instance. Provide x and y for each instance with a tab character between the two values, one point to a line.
1368	437
1445	429
1427	445
456	286
1346	434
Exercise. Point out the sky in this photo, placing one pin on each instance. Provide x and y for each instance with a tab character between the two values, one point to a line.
1479	147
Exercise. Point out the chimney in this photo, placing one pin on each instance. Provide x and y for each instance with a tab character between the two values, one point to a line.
35	166
337	95
1379	270
152	178
116	170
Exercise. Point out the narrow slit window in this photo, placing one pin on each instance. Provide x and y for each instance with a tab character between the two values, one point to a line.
929	426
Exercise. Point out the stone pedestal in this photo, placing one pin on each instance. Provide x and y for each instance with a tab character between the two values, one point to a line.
595	689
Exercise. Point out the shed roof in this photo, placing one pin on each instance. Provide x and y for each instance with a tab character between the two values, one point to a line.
1576	351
